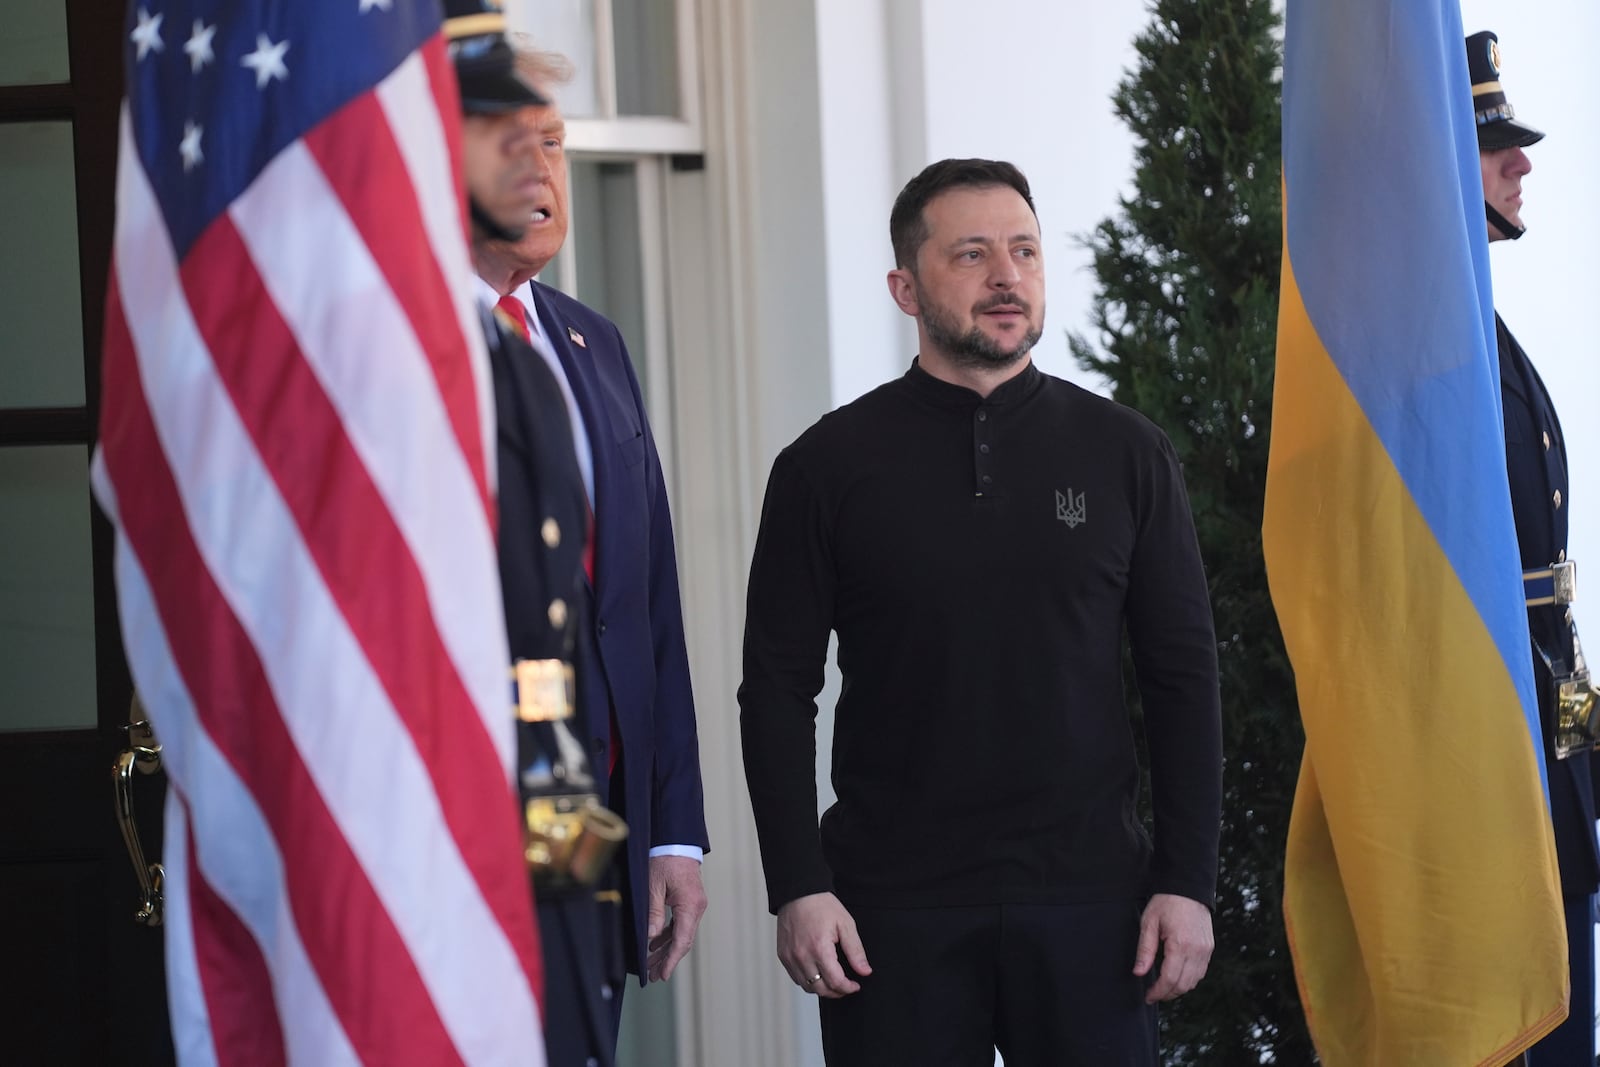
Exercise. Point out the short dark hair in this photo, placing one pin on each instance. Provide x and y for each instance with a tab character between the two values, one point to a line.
908	229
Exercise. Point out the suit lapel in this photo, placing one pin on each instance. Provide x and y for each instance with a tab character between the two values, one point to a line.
580	372
583	377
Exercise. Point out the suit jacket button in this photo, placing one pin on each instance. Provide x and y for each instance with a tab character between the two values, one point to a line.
558	613
551	532
599	745
601	626
1557	499
1547	440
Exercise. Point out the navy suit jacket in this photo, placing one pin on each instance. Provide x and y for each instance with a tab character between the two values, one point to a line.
1536	464
631	656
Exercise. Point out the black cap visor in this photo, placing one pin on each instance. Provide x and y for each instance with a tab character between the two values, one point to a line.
1507	133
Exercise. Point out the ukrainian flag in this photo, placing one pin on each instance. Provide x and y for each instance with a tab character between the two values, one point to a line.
1421	891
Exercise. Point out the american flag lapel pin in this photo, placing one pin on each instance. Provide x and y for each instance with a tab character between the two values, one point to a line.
577	338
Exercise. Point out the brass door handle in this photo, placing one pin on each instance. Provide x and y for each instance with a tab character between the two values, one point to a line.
144	753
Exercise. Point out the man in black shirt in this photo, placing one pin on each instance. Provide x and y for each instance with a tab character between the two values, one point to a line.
979	535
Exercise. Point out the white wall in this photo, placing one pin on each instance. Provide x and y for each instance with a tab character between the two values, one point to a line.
907	82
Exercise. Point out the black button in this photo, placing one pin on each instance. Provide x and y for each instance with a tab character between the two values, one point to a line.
984	449
601	626
987	480
599	745
983	416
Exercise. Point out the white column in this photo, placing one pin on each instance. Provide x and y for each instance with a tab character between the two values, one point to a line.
751	370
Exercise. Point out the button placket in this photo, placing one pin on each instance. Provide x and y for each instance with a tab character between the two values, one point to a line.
982	452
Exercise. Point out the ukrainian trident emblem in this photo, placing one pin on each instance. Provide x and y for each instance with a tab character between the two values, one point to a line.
1070	509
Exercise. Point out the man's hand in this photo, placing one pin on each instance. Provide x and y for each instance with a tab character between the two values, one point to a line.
811	931
1181	928
674	886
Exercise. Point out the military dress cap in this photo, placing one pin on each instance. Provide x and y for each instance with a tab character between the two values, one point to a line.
486	68
1497	122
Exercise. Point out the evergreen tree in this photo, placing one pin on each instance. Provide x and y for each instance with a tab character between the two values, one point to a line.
1186	313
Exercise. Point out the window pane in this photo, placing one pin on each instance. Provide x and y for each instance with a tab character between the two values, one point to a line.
47	664
33	43
605	225
567	27
646	33
41	361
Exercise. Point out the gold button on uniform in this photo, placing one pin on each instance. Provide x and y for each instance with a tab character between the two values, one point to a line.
1546	438
551	532
1557	498
558	613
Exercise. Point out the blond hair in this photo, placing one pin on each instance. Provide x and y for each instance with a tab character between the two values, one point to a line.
538	66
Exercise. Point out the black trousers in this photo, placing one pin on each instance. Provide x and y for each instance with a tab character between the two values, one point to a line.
1048	985
1572	1043
582	978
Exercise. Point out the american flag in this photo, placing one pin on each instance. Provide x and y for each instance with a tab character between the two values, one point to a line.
296	450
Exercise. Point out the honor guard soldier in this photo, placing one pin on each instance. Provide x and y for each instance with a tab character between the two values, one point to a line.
632	659
1536	465
543	513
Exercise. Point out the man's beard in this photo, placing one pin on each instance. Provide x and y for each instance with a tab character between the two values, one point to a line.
974	348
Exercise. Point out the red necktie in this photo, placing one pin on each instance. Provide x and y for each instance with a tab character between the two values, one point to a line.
512	307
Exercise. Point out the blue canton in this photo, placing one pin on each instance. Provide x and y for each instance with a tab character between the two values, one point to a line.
217	88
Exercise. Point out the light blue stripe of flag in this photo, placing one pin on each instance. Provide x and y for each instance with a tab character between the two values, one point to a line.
1393	266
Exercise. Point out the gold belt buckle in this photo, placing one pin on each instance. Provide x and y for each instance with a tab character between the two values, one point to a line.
544	689
1577	714
570	839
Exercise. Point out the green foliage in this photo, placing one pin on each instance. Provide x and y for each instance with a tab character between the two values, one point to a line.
1185	318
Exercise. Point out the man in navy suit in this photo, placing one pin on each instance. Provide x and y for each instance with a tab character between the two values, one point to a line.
633	667
1536	464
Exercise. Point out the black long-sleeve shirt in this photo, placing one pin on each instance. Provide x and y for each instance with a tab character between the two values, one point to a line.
979	559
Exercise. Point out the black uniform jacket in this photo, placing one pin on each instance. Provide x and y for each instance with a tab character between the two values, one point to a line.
543	515
1536	464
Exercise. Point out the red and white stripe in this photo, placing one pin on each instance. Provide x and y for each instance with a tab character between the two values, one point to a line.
296	451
